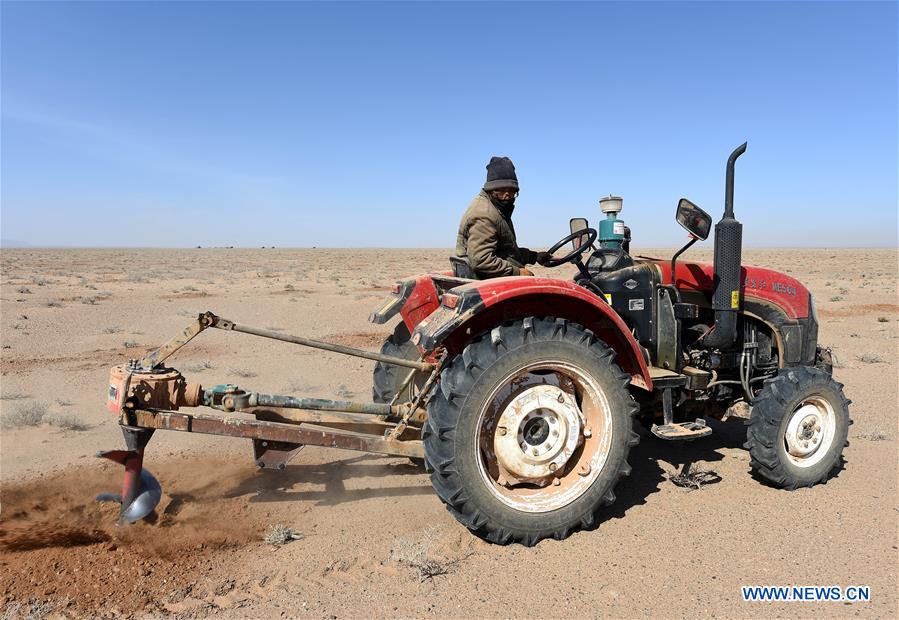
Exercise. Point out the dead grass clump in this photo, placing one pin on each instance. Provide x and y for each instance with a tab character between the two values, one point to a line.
89	301
68	422
344	392
242	372
874	433
198	366
694	477
112	329
836	298
24	290
62	402
54	303
32	414
42	281
280	534
869	358
422	556
130	344
882	319
32	610
14	396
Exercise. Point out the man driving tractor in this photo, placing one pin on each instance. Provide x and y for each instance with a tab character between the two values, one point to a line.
485	244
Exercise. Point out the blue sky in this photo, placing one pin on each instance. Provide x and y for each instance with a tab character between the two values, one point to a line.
342	124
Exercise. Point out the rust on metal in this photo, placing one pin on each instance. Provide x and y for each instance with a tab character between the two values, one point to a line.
164	388
269	431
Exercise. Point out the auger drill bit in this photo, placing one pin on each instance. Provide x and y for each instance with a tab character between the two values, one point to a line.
140	489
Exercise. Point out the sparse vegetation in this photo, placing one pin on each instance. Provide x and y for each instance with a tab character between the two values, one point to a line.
882	319
112	329
242	372
24	290
422	556
130	344
90	301
198	366
694	477
68	422
54	303
280	534
344	392
14	396
62	402
32	414
874	433
836	298
869	358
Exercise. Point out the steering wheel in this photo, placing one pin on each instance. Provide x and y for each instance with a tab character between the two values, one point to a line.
573	256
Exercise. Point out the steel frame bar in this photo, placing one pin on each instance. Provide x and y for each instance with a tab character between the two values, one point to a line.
268	431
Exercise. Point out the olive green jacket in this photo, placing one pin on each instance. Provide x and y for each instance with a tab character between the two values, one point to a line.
486	239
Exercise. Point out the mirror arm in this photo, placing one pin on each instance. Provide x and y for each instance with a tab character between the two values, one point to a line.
693	239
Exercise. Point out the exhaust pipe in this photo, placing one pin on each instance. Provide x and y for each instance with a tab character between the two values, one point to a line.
728	256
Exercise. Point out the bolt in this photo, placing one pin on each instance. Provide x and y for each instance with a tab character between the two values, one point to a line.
553	467
584	469
502	430
561	398
588	432
556	482
535	451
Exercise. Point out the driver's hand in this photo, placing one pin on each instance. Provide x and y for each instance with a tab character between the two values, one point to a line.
542	257
524	271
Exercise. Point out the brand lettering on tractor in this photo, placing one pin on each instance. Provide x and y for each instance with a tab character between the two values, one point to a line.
783	288
756	283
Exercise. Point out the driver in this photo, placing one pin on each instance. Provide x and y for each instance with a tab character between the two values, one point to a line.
486	238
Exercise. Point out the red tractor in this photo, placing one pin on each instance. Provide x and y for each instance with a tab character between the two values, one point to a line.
520	393
530	429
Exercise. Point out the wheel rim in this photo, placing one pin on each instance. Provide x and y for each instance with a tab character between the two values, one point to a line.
544	436
809	432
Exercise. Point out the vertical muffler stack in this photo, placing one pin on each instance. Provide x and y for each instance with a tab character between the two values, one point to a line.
728	256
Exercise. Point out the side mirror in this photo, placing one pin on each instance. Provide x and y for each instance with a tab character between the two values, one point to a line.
576	224
696	221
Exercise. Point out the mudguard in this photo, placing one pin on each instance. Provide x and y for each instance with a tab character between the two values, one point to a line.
476	306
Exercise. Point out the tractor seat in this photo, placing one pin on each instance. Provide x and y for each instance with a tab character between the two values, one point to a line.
461	268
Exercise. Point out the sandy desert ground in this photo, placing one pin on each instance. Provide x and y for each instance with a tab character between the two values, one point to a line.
369	522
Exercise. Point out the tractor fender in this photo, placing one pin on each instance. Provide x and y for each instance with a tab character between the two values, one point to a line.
476	307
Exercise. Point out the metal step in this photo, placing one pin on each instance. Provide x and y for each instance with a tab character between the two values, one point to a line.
682	430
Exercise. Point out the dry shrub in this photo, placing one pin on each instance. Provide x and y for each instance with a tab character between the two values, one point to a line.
422	555
32	414
242	372
874	433
869	358
280	534
68	422
24	290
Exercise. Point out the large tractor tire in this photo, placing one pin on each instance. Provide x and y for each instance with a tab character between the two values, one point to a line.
387	378
798	428
530	431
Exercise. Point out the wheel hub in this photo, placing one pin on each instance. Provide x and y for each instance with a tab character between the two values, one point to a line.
537	433
804	431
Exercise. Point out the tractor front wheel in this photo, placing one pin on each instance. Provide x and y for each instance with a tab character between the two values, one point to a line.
530	431
798	428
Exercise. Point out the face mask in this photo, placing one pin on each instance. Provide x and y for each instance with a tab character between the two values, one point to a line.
506	206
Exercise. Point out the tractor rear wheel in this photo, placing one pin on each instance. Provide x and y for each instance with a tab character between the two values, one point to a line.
798	428
530	431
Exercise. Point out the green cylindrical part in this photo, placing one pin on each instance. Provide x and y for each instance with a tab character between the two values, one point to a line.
611	232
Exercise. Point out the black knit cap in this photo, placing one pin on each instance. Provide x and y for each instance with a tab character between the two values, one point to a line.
500	174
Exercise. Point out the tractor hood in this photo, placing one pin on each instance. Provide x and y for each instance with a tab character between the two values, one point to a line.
755	282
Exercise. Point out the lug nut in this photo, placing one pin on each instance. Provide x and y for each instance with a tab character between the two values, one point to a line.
588	432
553	467
556	482
502	430
584	469
561	398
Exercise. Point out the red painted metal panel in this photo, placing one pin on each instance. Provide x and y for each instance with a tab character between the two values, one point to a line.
758	282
